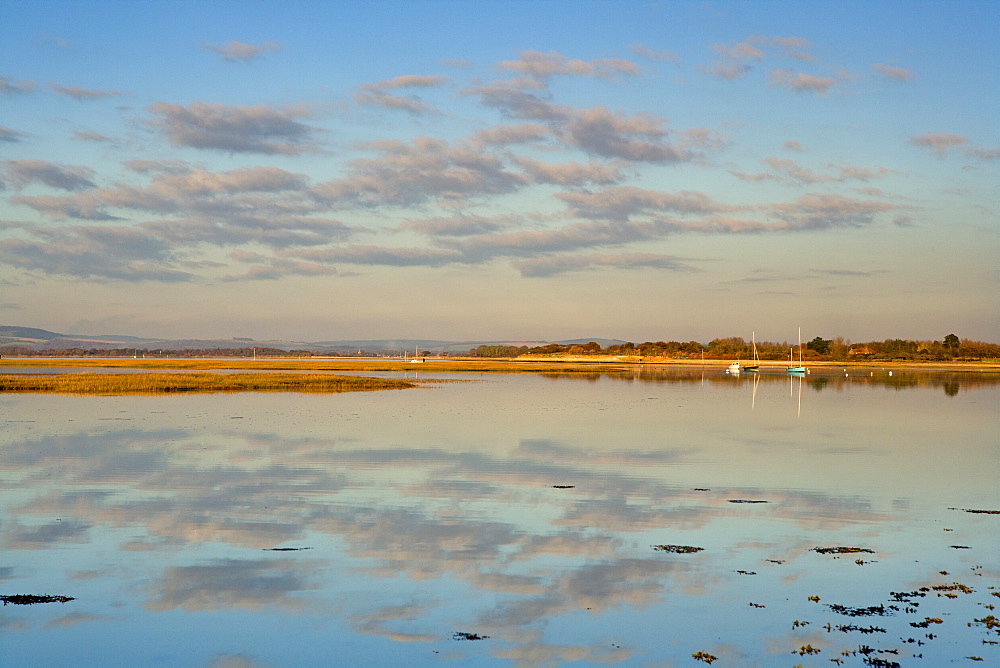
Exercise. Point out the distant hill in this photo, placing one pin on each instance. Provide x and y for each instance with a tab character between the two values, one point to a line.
26	333
40	339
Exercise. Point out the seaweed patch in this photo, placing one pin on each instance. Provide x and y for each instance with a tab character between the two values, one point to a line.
842	550
678	549
31	599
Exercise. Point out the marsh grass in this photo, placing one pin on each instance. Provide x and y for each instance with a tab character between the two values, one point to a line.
464	366
170	383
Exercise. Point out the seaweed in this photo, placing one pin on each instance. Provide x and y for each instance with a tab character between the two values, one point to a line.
285	549
879	610
31	599
842	550
677	549
845	628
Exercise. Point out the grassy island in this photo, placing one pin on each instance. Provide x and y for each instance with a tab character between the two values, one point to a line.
176	383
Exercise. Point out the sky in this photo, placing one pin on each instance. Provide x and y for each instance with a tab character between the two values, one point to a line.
511	170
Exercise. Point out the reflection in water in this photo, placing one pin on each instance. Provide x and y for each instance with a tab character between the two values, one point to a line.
522	508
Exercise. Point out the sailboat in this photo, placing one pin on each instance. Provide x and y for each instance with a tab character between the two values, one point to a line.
756	360
791	365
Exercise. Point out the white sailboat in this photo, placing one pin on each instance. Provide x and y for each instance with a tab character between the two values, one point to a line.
792	368
756	360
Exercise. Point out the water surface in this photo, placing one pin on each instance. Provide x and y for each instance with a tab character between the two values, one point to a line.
526	510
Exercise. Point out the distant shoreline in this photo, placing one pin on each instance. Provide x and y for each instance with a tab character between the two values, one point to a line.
467	364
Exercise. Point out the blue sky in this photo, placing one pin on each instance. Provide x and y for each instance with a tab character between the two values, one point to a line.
543	170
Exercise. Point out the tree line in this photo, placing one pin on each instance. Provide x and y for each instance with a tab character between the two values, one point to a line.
949	348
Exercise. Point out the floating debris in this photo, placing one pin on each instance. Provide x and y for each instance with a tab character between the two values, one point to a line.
702	489
757	605
905	596
463	635
704	656
977	512
879	610
845	628
563	486
842	550
285	549
989	621
960	547
927	622
747	501
747	572
955	586
678	549
31	599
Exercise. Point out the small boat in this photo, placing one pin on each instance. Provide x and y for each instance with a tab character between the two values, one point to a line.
734	367
792	368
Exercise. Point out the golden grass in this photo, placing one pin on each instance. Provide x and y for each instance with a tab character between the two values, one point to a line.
311	364
561	364
171	383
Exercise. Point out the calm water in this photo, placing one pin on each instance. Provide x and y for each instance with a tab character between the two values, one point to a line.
522	508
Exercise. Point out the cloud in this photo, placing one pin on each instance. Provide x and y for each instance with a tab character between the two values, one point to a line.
504	135
800	82
44	536
25	172
53	39
81	94
549	266
100	252
379	255
893	73
941	143
232	583
570	173
244	180
453	226
543	65
791	47
411	173
264	205
734	61
9	86
233	50
812	212
985	153
83	206
640	138
237	129
571	237
153	166
10	135
513	99
789	170
92	136
274	269
646	52
375	93
621	203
